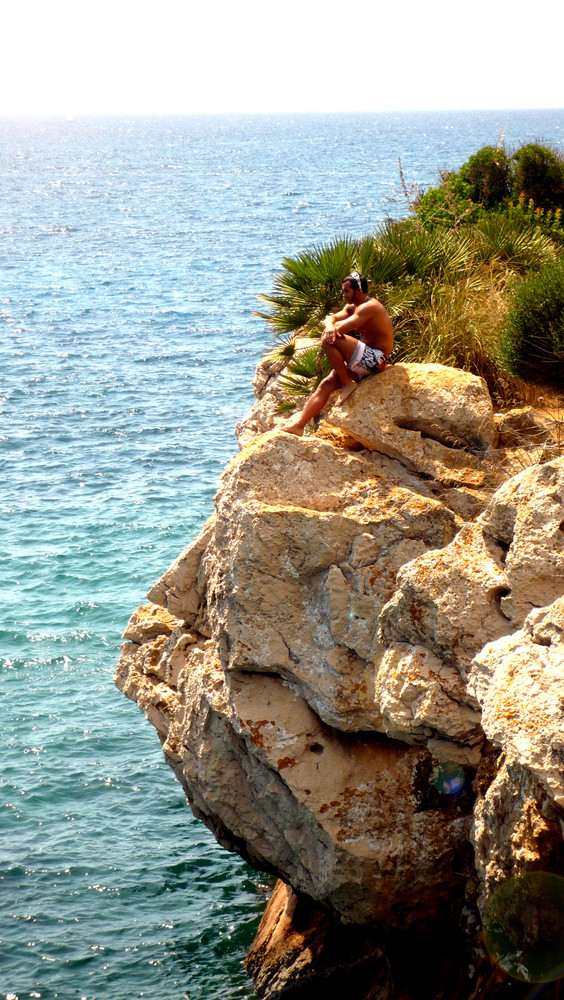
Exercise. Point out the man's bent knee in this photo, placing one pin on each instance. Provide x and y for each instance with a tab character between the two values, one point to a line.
330	383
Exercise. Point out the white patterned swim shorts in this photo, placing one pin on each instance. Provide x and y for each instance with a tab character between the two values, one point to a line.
367	360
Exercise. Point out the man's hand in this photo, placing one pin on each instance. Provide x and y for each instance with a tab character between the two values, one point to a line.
331	336
331	332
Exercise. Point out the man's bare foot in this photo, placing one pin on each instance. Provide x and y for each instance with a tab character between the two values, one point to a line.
293	429
346	391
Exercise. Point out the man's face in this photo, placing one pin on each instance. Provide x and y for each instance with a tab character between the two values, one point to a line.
348	292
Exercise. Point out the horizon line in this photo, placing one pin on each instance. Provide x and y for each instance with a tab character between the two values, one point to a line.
71	115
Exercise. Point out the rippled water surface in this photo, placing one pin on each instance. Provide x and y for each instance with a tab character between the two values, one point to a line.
131	253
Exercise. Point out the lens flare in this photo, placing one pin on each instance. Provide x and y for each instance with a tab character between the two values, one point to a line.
523	928
540	991
448	778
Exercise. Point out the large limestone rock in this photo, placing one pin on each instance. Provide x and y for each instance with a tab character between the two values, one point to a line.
292	573
450	604
525	520
438	421
517	828
349	820
300	953
519	682
352	821
342	629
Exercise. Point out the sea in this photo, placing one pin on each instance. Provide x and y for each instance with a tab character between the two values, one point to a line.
132	252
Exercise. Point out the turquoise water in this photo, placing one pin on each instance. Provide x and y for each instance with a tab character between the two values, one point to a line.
131	254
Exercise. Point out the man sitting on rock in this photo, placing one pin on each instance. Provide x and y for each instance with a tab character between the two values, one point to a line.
351	359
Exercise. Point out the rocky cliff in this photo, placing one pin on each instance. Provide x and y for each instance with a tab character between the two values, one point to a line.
356	673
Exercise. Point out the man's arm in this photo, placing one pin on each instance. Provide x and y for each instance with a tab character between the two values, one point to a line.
359	317
372	319
330	322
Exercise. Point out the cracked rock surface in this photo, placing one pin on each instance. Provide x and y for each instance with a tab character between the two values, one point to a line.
349	623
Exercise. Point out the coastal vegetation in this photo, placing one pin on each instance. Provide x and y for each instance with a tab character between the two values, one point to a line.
473	277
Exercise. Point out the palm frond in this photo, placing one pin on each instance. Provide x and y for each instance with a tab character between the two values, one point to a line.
281	353
286	405
308	363
304	372
296	385
308	286
499	239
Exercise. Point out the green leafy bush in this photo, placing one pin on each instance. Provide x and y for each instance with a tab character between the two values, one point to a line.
309	286
549	221
532	339
538	175
302	375
488	176
448	205
484	182
529	181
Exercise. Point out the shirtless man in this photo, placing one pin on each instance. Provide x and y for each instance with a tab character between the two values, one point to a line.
350	359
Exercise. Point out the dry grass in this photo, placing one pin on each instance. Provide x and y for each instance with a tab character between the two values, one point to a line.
547	399
457	324
532	434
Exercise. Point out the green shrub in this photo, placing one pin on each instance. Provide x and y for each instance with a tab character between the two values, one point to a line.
527	182
488	176
448	205
302	375
532	339
446	287
549	221
483	182
538	175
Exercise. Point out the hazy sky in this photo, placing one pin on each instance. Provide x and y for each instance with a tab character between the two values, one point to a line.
116	56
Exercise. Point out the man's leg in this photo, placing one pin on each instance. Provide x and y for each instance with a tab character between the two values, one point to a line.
314	405
338	353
